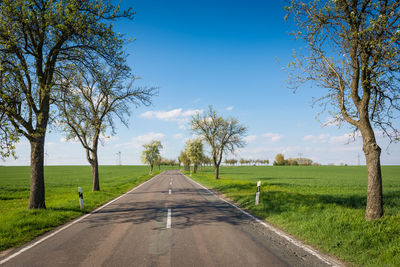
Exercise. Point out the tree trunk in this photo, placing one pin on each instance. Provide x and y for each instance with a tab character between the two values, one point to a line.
95	171
216	167
372	151
151	169
194	168
37	193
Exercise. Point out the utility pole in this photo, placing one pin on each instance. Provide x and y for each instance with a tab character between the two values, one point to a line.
358	156
119	162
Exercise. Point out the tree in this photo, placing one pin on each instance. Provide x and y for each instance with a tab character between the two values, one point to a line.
37	39
90	99
206	160
354	54
279	160
184	158
151	154
223	135
8	138
194	151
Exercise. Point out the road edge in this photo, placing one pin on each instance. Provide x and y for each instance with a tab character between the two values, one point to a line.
17	251
323	257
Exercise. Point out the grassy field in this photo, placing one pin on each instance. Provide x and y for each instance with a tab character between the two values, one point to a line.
19	225
322	205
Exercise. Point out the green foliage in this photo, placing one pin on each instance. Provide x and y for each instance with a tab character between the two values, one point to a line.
321	205
185	160
38	40
223	135
151	153
19	225
279	160
194	151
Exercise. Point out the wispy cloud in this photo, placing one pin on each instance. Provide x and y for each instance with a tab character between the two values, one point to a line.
250	138
335	139
179	115
322	138
178	136
229	108
139	140
272	137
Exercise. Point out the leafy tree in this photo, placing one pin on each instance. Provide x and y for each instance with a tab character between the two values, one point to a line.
8	138
184	158
206	160
89	102
151	154
279	160
353	53
158	162
37	39
223	135
194	151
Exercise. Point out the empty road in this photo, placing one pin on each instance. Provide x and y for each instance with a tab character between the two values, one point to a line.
168	221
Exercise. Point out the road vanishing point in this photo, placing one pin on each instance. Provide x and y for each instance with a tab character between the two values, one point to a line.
169	220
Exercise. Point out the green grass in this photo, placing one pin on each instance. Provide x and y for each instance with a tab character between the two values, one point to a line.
19	225
322	205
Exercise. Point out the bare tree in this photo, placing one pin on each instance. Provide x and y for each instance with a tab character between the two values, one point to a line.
223	135
91	99
354	54
37	38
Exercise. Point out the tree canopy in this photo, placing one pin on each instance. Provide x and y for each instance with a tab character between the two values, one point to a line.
151	153
353	51
91	99
223	135
37	40
194	151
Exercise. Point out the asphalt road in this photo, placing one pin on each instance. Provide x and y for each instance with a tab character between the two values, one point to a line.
169	221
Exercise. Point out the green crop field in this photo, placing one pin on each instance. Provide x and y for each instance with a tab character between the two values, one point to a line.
19	225
321	205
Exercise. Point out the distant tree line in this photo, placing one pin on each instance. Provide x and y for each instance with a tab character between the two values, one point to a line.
242	161
281	161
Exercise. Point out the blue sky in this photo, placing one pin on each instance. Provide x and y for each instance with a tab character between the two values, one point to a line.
227	54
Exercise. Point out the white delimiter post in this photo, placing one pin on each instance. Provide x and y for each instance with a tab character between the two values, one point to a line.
80	197
258	192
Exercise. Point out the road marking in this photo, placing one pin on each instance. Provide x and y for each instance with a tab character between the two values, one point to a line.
169	219
169	191
72	223
273	229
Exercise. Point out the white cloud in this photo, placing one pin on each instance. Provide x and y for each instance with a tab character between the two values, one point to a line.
336	120
64	140
229	108
146	138
272	137
345	138
177	114
250	138
322	138
178	136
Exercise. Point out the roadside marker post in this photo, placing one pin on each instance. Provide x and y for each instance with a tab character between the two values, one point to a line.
258	192
80	197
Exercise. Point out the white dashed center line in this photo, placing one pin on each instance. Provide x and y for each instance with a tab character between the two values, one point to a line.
169	219
169	191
